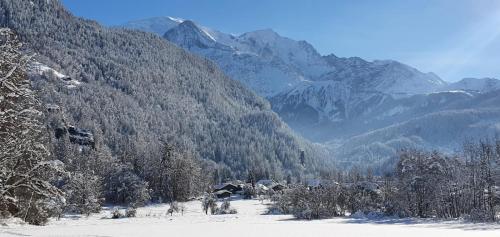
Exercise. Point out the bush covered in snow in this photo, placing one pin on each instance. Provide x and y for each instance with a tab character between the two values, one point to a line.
249	192
209	202
225	208
311	203
83	193
131	212
123	186
174	207
117	214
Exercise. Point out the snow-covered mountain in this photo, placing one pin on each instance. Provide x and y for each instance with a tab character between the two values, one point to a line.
387	76
157	25
189	36
363	109
475	85
264	61
271	64
352	90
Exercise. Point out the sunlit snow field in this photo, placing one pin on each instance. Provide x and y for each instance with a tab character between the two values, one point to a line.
250	221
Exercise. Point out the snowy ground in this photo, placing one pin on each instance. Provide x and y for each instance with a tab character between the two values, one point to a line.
153	221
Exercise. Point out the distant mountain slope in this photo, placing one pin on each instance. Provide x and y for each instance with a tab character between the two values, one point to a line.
363	109
444	130
137	90
387	76
475	85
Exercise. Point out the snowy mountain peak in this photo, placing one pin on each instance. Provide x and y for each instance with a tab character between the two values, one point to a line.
157	25
265	35
175	19
191	36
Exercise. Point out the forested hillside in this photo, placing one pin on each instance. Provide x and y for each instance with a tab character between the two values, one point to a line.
138	91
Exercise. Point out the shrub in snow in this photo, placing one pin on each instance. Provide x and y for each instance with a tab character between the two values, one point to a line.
83	193
280	205
306	203
123	186
39	214
364	197
248	192
182	208
116	214
367	215
130	212
225	205
209	202
304	213
225	208
174	207
478	215
275	208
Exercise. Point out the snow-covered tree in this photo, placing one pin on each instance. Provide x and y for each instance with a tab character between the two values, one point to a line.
209	202
25	171
182	173
122	186
83	193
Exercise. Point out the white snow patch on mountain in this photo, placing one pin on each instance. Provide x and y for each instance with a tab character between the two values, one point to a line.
480	85
175	19
41	69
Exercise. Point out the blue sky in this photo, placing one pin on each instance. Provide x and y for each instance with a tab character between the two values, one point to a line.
453	38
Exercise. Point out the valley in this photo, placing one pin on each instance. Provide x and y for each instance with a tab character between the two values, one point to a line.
339	101
165	126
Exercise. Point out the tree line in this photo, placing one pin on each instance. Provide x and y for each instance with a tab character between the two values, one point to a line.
423	184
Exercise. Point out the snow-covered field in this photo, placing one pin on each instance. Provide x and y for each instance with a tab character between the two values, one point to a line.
250	221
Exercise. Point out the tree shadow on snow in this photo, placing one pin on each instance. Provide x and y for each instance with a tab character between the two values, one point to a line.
429	223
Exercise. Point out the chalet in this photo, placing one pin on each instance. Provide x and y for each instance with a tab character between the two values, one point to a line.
320	184
261	187
222	194
278	187
228	187
265	182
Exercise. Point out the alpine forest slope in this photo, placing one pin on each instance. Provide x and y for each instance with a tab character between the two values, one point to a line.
137	91
364	110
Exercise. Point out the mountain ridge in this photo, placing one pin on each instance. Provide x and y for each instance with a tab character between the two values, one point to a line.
333	99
